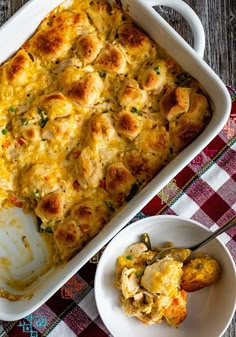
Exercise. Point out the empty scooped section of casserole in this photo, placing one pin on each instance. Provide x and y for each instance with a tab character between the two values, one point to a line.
158	291
91	109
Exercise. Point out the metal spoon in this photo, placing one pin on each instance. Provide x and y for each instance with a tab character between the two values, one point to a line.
189	250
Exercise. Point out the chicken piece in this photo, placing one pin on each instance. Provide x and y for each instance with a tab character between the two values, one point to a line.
129	282
89	170
163	277
40	180
65	64
56	105
19	69
99	13
200	272
61	129
140	306
68	76
135	250
135	255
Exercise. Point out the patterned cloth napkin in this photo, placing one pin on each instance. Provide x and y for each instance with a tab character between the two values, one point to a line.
207	186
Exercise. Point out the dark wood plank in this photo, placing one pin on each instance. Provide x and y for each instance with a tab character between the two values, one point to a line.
219	22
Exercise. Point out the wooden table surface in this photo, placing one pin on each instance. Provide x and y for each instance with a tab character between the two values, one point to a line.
219	21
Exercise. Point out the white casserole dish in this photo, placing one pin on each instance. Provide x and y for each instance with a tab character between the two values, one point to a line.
15	225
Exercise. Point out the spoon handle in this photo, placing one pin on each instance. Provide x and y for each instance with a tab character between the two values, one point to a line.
229	224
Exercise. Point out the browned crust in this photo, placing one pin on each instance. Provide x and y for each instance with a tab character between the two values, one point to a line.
127	123
80	90
52	205
111	59
16	66
87	46
131	36
49	42
118	178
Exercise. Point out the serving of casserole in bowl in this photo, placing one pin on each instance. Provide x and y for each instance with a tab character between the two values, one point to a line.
101	106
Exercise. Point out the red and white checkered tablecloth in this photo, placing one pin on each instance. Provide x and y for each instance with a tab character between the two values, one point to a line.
207	186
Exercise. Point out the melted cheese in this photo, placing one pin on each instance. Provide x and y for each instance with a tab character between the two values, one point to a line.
90	110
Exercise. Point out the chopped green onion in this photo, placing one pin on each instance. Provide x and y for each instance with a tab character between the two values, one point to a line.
12	109
44	119
157	70
139	273
182	79
46	230
4	131
102	74
36	194
110	206
43	122
134	189
199	266
24	121
129	257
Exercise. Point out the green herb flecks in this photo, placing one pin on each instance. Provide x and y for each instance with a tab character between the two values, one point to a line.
4	131
46	230
199	266
136	111
110	206
12	109
36	194
128	257
139	273
157	70
102	74
24	121
183	79
134	189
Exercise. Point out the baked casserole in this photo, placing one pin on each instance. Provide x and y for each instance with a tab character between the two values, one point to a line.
154	292
91	110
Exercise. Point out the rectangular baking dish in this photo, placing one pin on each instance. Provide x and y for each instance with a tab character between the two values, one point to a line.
14	224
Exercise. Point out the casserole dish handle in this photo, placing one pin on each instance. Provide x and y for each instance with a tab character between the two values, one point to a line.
190	16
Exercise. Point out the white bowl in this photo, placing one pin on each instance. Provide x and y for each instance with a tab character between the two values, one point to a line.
210	310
